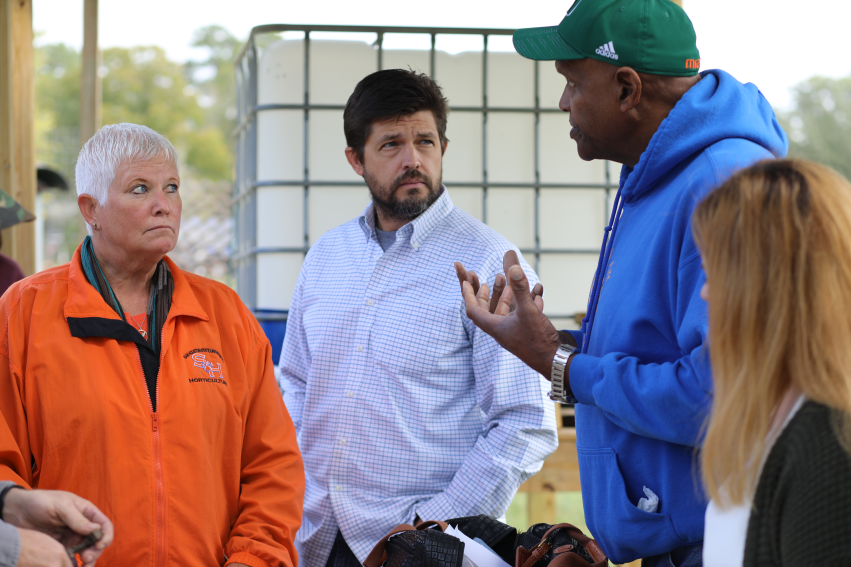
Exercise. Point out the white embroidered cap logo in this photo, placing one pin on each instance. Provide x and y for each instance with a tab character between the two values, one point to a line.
607	50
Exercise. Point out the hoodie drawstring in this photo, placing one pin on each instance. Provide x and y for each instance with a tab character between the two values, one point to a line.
605	254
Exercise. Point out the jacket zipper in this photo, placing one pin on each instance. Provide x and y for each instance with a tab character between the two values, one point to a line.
158	461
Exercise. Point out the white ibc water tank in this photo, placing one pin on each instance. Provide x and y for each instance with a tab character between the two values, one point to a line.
498	149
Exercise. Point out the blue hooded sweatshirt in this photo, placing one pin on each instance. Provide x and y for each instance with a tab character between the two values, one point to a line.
644	384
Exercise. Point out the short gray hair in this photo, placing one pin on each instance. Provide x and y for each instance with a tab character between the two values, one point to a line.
112	146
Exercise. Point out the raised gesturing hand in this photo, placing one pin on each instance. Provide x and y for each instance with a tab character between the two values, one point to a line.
513	316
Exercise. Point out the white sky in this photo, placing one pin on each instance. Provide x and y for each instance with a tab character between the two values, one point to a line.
772	43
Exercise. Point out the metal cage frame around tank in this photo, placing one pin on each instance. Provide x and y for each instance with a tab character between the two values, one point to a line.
244	258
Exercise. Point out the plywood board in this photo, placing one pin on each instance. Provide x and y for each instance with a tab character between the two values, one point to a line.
17	134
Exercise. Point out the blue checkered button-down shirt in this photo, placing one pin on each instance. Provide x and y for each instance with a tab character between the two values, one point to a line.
402	406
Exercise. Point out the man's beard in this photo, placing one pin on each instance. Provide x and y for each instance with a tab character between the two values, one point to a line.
407	208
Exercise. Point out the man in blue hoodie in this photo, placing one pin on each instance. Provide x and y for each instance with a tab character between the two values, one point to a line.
639	367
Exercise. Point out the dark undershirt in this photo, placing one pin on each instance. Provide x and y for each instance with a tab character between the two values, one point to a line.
386	238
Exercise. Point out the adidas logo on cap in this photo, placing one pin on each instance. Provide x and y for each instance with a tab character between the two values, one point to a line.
607	50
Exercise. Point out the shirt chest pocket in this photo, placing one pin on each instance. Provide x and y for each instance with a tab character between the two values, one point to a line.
424	340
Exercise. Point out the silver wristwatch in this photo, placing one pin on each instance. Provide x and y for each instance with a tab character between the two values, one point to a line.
560	390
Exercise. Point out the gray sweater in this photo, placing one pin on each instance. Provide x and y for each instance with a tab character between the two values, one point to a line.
10	540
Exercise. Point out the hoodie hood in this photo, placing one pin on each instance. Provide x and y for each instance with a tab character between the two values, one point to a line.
717	108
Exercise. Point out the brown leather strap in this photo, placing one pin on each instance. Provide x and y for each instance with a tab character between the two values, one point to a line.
595	552
574	532
554	528
537	553
540	550
425	525
377	556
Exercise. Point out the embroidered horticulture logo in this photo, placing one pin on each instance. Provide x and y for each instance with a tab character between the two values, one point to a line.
215	374
213	370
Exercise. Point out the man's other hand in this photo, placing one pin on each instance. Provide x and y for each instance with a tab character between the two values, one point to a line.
65	517
514	316
41	550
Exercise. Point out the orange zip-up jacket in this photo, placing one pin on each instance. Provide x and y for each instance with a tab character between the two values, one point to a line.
213	476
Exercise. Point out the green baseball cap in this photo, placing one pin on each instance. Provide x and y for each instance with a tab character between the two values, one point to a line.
651	36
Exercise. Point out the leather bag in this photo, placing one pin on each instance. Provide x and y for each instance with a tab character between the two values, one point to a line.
543	545
422	546
561	545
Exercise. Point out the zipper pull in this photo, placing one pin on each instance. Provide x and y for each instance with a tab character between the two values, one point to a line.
154	420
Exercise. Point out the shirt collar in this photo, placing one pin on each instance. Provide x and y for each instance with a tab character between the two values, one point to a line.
418	229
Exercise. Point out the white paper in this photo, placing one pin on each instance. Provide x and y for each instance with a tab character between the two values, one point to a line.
478	555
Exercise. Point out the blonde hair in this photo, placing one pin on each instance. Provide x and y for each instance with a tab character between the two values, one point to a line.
776	246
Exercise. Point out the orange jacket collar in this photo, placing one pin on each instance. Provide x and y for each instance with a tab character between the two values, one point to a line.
85	301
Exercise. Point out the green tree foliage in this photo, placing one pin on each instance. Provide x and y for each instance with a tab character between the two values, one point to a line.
191	104
57	102
141	85
819	125
57	84
213	76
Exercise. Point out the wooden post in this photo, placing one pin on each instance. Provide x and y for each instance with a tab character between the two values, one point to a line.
17	133
90	88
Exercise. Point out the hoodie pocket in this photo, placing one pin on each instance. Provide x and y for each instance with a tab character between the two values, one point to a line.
624	531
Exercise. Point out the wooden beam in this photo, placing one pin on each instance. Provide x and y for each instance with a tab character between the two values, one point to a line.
17	133
90	88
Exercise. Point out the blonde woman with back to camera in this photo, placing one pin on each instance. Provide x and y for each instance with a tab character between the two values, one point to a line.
776	247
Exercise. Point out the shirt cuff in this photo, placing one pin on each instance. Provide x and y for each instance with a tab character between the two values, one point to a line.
578	337
584	373
10	545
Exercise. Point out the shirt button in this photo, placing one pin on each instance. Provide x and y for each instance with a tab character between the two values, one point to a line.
350	394
415	245
339	488
360	348
342	441
370	302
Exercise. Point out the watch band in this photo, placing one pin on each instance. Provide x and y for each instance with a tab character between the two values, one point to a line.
561	392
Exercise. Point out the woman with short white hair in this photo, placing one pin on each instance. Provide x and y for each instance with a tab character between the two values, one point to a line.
145	389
